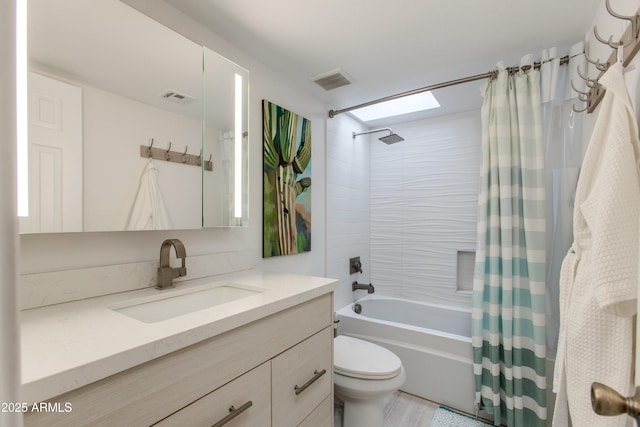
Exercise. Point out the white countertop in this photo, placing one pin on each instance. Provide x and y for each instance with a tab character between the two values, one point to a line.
66	346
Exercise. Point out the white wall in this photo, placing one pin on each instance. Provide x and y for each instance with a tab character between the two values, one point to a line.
424	193
347	204
55	252
9	332
113	166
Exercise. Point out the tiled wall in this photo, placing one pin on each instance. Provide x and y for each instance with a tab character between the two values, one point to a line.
424	207
406	209
347	204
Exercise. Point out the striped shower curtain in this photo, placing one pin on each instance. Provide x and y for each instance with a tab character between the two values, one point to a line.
508	335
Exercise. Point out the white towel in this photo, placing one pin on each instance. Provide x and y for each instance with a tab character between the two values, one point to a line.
149	212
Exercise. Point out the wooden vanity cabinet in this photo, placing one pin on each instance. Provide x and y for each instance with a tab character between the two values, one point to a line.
302	379
264	362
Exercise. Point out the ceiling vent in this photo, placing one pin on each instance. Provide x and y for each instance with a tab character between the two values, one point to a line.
177	97
332	79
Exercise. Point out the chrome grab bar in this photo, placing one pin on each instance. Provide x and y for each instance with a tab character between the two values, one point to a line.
316	375
233	412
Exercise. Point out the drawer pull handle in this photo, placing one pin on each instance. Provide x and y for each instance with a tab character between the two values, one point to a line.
316	376
233	412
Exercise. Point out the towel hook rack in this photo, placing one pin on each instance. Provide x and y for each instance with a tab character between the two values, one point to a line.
180	157
635	19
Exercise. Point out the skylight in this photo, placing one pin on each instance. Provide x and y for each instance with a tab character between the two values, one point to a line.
408	104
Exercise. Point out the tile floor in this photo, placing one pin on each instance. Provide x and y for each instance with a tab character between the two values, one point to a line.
402	410
407	410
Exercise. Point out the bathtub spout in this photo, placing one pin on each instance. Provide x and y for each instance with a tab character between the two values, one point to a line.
369	288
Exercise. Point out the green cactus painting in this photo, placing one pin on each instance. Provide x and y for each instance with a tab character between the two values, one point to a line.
286	182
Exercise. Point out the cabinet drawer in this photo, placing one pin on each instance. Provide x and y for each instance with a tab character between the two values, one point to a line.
322	416
298	385
254	387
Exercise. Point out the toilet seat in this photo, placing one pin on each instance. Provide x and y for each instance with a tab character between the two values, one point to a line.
357	358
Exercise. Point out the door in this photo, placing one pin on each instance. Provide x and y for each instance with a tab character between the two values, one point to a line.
55	156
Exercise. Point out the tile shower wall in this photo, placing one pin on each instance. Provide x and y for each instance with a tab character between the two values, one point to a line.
423	207
347	204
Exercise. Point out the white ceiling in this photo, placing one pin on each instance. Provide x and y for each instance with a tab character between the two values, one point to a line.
387	46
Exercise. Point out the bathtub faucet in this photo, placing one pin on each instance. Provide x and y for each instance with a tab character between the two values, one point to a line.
369	288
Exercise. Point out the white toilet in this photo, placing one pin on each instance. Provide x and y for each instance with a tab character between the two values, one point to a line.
365	374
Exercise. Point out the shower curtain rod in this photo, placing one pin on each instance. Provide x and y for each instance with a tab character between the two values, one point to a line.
536	65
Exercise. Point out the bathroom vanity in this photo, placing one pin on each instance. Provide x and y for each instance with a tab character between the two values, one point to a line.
265	359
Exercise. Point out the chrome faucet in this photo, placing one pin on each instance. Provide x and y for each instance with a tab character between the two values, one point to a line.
369	288
166	274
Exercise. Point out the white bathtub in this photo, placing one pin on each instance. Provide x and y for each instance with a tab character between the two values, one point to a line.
433	342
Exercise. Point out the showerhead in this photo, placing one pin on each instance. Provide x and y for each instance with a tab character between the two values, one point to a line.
392	138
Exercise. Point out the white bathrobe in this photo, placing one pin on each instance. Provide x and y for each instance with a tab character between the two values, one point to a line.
149	211
599	278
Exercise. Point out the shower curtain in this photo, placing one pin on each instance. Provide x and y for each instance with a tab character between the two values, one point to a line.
508	335
563	145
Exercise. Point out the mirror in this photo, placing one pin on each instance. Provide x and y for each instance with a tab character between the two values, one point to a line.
104	81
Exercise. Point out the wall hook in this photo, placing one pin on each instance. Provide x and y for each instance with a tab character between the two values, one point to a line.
635	20
199	158
612	45
149	149
573	107
167	156
184	155
599	65
578	91
589	82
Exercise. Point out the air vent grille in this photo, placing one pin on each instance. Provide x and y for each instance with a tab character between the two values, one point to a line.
332	80
177	97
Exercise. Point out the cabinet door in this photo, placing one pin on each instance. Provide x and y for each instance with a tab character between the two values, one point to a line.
245	401
302	378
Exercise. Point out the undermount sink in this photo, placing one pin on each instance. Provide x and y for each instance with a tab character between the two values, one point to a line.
162	307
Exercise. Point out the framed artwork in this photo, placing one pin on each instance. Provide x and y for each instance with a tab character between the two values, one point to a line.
286	181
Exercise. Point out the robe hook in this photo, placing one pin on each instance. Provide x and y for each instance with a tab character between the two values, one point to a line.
612	45
573	107
149	148
578	91
210	156
589	82
635	19
184	155
199	158
599	65
167	156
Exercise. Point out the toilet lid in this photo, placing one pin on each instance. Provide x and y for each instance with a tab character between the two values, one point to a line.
356	358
